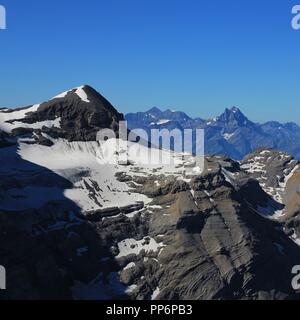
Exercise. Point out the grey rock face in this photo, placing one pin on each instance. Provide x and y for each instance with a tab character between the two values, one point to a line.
213	244
217	247
270	166
278	175
227	233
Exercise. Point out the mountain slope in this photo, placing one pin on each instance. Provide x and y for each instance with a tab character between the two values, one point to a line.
79	223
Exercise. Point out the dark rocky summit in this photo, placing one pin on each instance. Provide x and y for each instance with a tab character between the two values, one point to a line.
80	118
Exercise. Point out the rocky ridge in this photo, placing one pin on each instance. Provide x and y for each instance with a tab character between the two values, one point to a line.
74	227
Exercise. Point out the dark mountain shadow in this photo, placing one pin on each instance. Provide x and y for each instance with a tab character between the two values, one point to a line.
45	246
27	186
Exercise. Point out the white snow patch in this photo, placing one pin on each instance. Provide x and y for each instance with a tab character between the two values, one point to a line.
132	246
131	288
295	238
90	170
14	115
264	152
160	122
129	266
83	164
154	207
288	177
82	94
229	177
157	183
61	95
209	197
38	125
228	136
155	294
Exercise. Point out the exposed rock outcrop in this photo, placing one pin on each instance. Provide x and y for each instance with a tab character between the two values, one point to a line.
73	226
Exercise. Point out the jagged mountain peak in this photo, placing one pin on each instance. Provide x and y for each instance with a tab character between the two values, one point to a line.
84	92
233	117
155	117
234	109
157	112
154	110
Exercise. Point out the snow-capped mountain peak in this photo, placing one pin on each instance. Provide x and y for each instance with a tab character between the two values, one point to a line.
233	117
82	92
76	115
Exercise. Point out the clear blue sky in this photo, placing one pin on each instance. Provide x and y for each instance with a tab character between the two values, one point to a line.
198	56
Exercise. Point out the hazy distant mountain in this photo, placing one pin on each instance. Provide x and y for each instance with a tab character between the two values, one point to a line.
231	134
155	118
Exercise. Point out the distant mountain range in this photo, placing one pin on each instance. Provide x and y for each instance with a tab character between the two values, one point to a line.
231	134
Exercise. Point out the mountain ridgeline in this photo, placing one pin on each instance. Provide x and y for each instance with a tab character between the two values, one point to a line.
231	134
72	226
